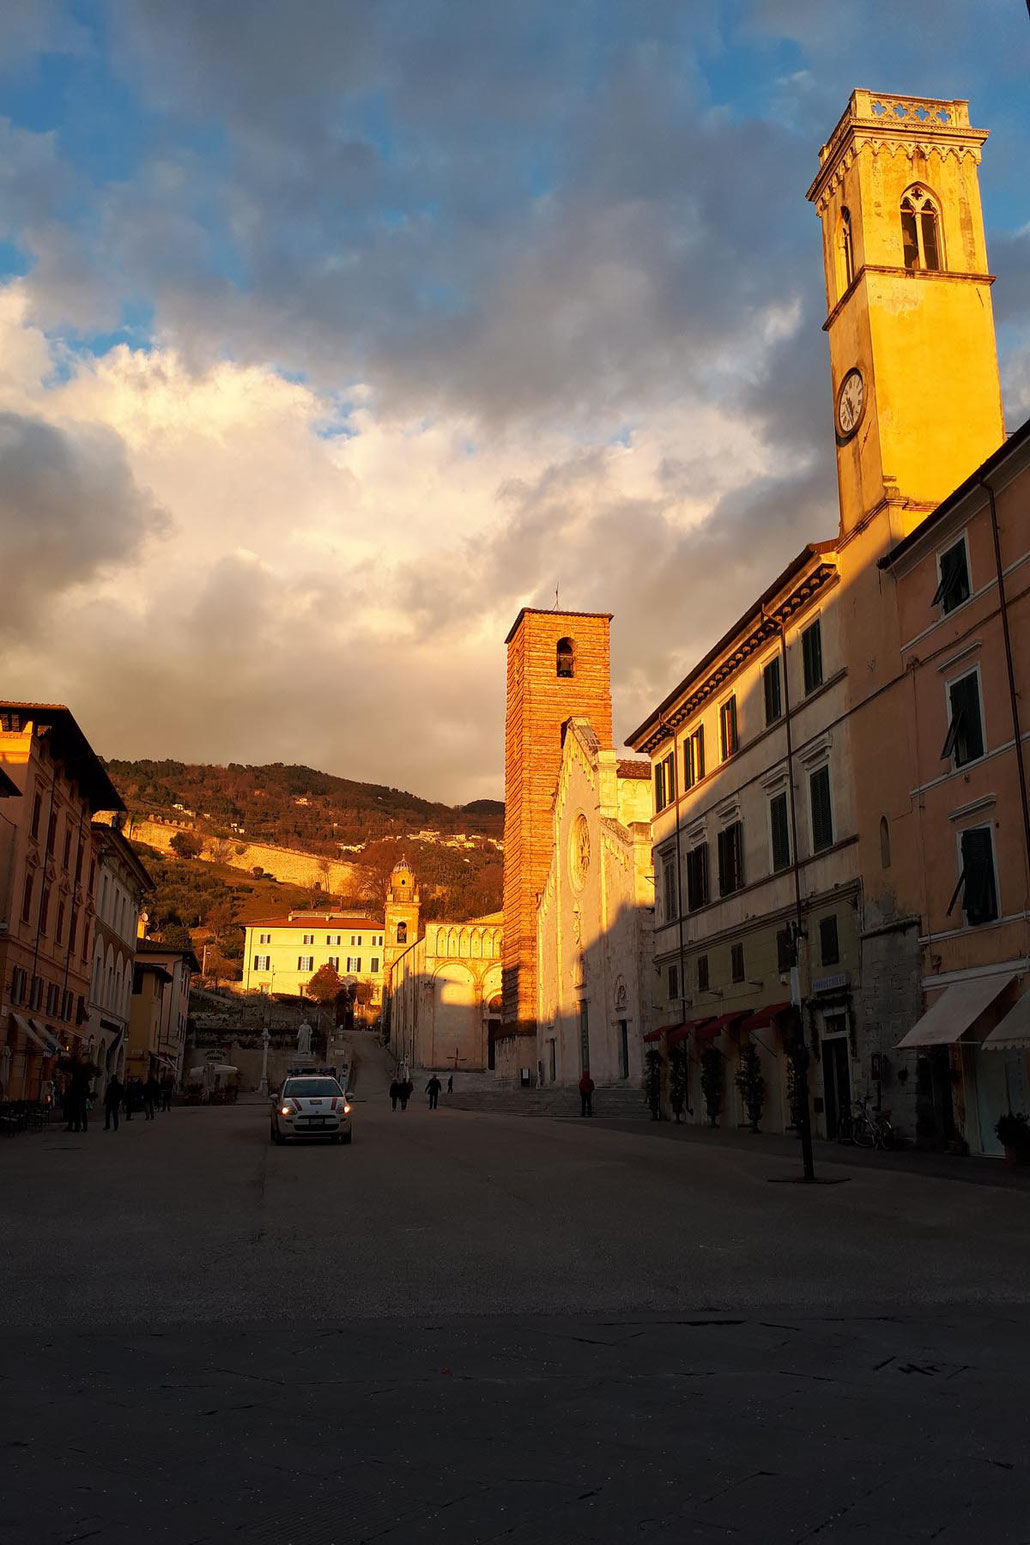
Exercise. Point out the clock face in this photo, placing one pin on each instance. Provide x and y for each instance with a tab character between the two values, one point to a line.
850	403
579	851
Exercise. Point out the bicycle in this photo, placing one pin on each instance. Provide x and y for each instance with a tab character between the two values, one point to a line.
870	1129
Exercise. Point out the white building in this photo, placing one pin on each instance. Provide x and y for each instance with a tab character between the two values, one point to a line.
445	996
595	917
122	884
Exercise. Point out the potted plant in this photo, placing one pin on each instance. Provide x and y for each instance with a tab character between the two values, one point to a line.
713	1082
653	1063
1013	1132
750	1083
677	1080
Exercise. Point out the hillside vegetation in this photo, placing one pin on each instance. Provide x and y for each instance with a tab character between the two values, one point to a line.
295	807
206	903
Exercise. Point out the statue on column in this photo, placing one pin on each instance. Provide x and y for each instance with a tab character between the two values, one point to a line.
304	1039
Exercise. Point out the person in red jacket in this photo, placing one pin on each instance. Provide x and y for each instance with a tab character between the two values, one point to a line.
586	1093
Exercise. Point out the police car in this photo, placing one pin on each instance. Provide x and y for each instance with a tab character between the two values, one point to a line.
311	1104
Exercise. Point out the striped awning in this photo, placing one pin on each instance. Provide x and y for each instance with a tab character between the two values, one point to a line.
1013	1034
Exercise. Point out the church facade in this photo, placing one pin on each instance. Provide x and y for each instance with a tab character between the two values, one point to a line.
594	917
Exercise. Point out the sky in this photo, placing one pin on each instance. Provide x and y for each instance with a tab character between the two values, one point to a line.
332	332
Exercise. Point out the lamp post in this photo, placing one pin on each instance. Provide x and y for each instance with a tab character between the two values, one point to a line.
265	1038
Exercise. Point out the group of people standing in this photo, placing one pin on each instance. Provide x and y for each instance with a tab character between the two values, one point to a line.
135	1095
402	1089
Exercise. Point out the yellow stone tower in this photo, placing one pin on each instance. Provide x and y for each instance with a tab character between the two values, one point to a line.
403	905
917	400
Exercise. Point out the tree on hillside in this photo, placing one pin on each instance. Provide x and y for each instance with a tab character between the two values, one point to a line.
186	845
325	986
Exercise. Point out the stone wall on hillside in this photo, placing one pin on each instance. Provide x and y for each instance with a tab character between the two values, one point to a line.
289	864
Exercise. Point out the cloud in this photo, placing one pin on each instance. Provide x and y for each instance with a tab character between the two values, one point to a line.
69	511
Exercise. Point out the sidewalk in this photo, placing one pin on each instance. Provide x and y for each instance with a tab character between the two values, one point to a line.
912	1161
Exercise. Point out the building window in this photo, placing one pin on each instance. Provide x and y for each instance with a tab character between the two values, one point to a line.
51	831
264	938
736	962
784	951
822	810
402	933
779	830
728	741
565	658
702	973
976	882
885	843
262	962
78	862
674	983
773	686
334	961
59	926
353	964
334	938
26	900
920	231
829	943
697	877
305	962
72	931
665	781
355	938
44	908
812	657
953	573
308	938
694	757
36	998
67	846
965	738
669	892
731	859
847	250
373	965
37	811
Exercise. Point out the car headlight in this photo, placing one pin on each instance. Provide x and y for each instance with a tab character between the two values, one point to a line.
286	1110
346	1110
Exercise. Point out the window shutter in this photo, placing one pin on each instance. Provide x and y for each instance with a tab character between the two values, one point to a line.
780	824
980	901
822	814
829	944
812	656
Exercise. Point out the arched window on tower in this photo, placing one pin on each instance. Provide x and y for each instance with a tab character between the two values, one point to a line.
566	665
402	933
847	250
920	230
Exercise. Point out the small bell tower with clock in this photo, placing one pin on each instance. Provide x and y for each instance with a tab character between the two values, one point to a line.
916	395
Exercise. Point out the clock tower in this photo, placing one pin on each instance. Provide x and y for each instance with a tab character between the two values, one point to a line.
916	395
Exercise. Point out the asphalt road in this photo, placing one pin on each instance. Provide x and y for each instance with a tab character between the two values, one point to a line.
470	1328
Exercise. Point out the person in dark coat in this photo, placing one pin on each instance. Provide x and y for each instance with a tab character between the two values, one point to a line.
433	1090
151	1090
113	1096
586	1094
450	1083
167	1085
395	1093
407	1089
76	1100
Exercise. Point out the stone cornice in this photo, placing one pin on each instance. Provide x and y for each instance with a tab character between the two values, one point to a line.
905	124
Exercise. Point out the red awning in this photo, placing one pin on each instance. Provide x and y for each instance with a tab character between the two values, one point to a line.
654	1035
762	1017
724	1022
692	1027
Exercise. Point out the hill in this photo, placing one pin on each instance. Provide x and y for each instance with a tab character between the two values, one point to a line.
293	806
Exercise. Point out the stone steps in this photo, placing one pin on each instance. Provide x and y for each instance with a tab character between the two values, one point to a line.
553	1100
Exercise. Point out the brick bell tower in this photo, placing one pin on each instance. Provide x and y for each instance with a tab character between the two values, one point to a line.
559	667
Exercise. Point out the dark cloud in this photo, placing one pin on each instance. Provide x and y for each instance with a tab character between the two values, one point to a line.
69	508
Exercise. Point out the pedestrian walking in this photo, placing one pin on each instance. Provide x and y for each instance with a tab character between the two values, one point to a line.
151	1090
395	1093
76	1100
167	1085
586	1094
450	1083
113	1096
133	1097
407	1089
433	1090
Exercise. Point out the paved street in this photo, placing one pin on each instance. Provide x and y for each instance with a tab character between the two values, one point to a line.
473	1327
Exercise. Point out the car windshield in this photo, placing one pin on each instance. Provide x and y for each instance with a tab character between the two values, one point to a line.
317	1088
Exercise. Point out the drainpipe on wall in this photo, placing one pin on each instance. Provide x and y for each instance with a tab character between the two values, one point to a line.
1013	696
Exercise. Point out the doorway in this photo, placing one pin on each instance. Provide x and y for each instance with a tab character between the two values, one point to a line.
623	1048
836	1083
493	1030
